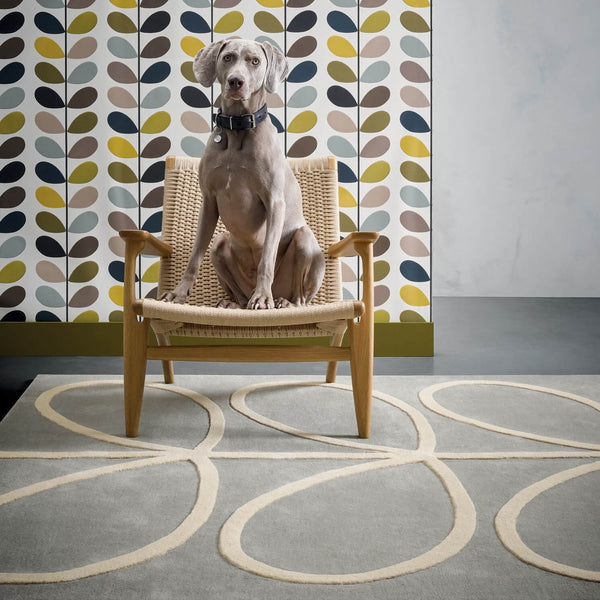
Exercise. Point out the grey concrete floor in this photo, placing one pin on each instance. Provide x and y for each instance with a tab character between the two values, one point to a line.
473	336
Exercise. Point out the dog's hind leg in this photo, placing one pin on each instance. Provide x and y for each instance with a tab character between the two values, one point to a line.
300	272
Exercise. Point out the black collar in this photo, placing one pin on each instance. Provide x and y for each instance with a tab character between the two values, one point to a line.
240	122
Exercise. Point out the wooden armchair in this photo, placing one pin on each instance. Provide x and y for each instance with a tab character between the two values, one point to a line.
328	315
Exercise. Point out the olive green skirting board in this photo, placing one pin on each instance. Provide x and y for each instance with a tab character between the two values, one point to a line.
106	339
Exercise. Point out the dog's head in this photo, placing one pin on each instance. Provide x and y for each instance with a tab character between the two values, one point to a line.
242	67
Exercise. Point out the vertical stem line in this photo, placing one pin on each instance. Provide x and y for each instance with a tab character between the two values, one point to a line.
139	142
430	162
66	178
358	165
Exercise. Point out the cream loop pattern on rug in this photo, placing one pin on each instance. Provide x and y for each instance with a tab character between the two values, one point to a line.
139	454
506	519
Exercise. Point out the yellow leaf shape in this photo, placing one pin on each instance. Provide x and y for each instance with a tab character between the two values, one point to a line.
271	3
417	3
376	22
83	23
230	22
151	273
49	197
115	293
376	172
84	173
381	316
88	316
124	3
157	122
12	272
303	122
413	146
48	48
191	45
121	147
413	296
12	122
346	199
341	46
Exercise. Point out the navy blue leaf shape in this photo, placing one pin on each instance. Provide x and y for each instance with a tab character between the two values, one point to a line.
414	122
303	72
280	128
12	172
413	271
302	22
48	23
156	22
48	246
11	73
194	22
12	22
13	222
341	22
117	271
121	123
341	96
154	173
153	224
194	97
156	73
49	173
45	315
346	174
48	98
14	316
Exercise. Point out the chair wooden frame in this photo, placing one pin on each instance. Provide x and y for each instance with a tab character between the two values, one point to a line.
359	352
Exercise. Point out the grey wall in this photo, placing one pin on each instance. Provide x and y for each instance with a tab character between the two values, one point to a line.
516	148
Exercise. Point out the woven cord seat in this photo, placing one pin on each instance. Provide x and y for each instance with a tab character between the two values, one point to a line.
327	315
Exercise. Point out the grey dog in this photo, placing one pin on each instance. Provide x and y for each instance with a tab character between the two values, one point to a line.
268	257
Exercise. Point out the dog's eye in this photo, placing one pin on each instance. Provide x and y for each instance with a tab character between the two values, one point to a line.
227	58
256	61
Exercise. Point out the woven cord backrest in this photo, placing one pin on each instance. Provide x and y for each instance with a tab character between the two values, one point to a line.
181	209
318	181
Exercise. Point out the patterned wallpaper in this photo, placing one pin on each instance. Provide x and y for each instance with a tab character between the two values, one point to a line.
95	94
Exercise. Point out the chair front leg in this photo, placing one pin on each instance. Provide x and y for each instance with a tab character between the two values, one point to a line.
135	343
361	368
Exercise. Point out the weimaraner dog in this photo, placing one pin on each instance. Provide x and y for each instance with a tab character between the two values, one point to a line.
268	257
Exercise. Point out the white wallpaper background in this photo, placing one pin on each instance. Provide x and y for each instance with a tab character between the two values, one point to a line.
95	95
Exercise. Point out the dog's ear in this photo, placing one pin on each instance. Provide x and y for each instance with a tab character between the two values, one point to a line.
205	63
277	67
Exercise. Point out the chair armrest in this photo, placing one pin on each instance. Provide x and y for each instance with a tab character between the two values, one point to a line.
137	241
152	245
360	243
350	245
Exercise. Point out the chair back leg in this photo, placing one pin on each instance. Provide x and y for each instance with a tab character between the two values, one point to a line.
336	342
167	365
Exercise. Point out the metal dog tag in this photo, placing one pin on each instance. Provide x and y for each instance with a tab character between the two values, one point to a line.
217	137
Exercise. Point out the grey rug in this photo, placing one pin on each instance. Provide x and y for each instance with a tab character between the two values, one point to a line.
258	488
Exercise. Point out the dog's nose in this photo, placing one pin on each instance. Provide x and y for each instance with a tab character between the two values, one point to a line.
235	83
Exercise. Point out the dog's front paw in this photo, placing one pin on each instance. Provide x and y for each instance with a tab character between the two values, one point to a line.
177	296
260	301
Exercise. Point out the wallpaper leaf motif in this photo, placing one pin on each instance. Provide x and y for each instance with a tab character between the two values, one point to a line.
105	90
